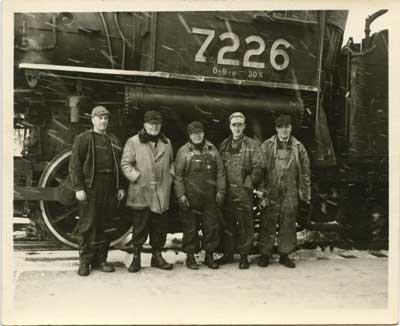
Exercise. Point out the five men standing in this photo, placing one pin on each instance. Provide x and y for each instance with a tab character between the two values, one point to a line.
205	180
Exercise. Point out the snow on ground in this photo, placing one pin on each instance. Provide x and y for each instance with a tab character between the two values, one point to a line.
48	290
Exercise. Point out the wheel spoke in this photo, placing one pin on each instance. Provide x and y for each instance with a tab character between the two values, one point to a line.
75	229
59	218
59	180
65	215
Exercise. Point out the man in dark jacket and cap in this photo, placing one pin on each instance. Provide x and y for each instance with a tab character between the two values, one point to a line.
287	180
97	180
199	187
243	162
147	162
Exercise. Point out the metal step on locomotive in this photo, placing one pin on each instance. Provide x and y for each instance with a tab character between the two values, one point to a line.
204	66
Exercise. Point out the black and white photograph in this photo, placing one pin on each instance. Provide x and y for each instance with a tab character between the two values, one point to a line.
187	162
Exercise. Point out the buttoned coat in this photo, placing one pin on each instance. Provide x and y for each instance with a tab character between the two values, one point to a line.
150	171
269	148
82	161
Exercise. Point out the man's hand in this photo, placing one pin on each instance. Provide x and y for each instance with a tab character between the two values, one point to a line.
184	202
264	203
121	194
259	194
220	199
81	195
262	198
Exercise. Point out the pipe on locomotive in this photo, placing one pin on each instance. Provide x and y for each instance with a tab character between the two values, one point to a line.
368	21
211	101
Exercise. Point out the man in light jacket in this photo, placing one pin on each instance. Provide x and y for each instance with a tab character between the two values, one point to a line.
199	187
147	162
287	180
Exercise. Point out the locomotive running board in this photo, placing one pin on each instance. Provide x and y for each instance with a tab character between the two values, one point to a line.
161	75
36	193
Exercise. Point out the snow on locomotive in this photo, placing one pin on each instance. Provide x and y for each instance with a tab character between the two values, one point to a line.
203	66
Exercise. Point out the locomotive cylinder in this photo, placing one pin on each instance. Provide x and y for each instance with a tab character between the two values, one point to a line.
212	101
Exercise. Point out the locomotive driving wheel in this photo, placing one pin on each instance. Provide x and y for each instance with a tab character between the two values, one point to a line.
61	218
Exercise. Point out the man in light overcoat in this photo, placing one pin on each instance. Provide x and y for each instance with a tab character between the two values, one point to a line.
147	162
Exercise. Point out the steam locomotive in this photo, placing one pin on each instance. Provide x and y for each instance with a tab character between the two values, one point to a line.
204	66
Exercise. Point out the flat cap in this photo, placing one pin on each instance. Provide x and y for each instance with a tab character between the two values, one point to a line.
195	126
99	110
283	120
152	117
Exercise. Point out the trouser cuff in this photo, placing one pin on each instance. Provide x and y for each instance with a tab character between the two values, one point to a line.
265	251
210	249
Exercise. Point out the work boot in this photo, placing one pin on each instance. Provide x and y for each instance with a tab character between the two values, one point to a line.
225	259
244	262
210	262
263	261
84	269
135	266
191	262
286	261
103	267
158	261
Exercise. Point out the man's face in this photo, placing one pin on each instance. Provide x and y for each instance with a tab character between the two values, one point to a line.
284	131
100	122
237	128
197	137
152	129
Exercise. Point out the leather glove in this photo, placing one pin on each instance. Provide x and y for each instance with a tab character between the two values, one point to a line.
184	202
220	199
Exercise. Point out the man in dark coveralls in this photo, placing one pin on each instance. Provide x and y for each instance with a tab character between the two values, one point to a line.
244	164
97	180
287	180
199	187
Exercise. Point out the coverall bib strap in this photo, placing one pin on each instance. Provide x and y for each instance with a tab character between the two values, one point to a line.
283	209
201	175
286	172
200	189
238	210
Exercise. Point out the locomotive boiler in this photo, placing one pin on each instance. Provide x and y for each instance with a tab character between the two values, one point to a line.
202	66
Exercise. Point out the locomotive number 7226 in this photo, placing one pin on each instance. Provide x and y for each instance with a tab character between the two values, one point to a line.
279	58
